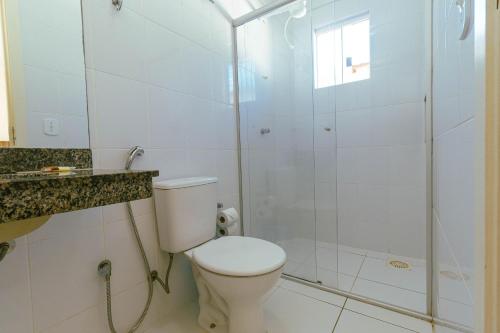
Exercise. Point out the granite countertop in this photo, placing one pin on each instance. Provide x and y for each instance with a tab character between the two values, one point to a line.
76	173
34	194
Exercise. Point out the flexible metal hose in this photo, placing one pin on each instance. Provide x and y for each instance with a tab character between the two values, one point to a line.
105	267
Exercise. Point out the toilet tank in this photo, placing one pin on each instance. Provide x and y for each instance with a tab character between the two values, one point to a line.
186	211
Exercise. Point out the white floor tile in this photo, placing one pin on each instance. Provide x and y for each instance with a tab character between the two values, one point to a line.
332	279
307	269
377	255
297	249
351	322
346	282
291	266
456	312
454	289
280	282
392	317
289	312
183	321
380	271
348	263
296	308
355	250
327	245
314	293
328	277
391	295
327	258
441	329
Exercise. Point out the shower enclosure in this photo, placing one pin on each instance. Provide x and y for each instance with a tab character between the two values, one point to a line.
336	151
332	102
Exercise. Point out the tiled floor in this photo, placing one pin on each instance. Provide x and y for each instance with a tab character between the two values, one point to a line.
295	308
359	271
368	273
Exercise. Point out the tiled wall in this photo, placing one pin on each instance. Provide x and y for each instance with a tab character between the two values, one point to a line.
380	129
158	76
454	152
53	72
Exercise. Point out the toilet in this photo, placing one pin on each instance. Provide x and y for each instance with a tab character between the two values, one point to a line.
233	273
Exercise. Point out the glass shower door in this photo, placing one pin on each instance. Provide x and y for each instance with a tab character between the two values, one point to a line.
277	135
380	93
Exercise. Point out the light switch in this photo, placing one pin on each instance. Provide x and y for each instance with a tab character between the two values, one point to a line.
51	126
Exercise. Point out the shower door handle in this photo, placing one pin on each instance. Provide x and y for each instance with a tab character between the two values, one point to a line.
465	11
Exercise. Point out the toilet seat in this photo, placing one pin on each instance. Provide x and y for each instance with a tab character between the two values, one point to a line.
239	256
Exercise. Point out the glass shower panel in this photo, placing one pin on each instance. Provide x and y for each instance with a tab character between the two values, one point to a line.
326	55
277	135
454	146
381	152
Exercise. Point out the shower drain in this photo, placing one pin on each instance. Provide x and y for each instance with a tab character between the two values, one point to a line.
398	264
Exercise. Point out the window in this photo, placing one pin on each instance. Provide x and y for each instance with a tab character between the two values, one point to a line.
342	52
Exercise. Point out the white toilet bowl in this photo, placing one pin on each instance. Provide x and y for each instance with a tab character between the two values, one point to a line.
232	273
236	272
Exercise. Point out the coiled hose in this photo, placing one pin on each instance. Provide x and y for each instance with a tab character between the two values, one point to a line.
104	268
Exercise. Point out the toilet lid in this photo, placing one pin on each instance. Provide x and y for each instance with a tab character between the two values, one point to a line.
239	256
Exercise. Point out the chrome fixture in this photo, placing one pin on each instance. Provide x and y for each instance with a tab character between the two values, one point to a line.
104	267
296	12
464	8
117	3
132	154
6	248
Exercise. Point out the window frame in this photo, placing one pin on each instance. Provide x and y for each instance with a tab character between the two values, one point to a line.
7	78
332	26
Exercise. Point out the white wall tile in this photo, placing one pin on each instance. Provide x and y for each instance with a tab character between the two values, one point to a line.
116	40
198	70
169	119
169	14
122	249
172	163
63	224
91	320
64	266
16	309
164	63
121	118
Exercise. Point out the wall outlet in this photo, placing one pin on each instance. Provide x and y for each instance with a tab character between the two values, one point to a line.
51	126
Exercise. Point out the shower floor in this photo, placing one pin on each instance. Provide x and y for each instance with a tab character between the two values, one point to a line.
294	308
359	271
369	274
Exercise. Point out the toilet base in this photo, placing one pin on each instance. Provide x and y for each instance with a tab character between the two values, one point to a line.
244	297
246	318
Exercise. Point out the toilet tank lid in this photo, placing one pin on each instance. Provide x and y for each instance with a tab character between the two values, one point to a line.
184	182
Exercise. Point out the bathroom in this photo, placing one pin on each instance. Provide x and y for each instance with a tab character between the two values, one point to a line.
349	145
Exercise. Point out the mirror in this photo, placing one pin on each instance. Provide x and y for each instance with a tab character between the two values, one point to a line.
43	101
